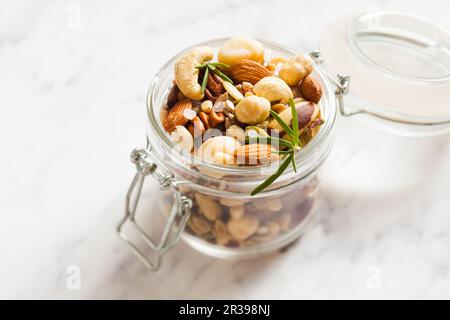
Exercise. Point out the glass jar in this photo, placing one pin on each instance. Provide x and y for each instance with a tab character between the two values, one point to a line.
212	208
400	65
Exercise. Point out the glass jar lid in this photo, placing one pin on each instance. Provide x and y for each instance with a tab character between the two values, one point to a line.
400	70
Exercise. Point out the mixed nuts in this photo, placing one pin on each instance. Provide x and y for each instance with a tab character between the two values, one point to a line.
248	222
239	91
230	112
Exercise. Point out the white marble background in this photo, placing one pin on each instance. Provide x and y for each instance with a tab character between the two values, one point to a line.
72	95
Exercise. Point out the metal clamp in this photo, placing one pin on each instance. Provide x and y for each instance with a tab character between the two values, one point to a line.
342	84
146	165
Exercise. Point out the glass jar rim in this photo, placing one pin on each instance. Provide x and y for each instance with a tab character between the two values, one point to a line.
164	140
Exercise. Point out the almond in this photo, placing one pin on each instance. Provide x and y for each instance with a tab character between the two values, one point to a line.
310	89
255	153
249	71
176	117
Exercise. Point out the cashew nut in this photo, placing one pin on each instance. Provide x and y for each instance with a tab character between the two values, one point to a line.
221	232
182	138
243	228
253	110
186	73
219	150
273	89
236	132
199	225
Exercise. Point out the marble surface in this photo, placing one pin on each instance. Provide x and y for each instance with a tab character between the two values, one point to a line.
73	80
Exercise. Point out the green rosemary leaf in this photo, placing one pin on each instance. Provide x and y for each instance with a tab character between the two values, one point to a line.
273	177
294	122
294	165
284	152
283	124
221	74
205	79
219	64
269	140
201	66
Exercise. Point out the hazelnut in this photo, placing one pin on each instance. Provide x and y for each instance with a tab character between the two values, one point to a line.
252	110
223	145
273	89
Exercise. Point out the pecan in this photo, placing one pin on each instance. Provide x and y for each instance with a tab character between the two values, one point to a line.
210	96
215	85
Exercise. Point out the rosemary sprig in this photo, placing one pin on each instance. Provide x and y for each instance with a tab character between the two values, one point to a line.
291	146
215	68
275	176
283	124
205	79
268	140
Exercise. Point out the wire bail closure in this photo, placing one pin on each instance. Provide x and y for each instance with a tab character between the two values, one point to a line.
146	165
342	84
